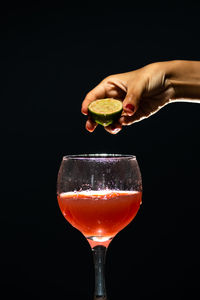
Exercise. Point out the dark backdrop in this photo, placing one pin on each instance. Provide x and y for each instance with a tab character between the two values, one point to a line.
51	55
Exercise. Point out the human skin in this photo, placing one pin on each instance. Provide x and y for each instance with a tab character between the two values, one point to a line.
146	90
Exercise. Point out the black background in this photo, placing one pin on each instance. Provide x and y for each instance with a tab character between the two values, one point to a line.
51	55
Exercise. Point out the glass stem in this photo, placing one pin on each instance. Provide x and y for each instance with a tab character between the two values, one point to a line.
99	255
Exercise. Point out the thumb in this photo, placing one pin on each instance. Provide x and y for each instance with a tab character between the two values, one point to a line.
131	101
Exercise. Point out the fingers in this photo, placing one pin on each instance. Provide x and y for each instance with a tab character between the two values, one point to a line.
90	125
131	102
114	128
130	107
132	99
129	120
97	93
143	112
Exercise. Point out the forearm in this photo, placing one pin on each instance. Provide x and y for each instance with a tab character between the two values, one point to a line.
184	77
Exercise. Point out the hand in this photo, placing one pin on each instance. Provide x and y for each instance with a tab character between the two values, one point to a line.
143	91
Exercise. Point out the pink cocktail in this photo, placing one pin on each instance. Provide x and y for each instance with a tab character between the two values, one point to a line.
100	215
99	194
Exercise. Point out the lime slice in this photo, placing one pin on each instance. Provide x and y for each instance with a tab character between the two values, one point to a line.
105	111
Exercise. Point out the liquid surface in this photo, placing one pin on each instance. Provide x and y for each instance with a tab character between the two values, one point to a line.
100	215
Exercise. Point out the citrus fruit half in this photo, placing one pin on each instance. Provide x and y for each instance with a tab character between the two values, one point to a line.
105	111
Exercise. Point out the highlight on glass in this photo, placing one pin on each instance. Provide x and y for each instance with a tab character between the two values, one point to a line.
99	194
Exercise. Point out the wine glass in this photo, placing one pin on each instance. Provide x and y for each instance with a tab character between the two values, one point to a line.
99	194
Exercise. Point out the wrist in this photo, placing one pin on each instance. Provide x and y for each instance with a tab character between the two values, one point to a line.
184	77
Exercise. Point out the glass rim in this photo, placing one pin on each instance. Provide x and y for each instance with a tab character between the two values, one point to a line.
99	156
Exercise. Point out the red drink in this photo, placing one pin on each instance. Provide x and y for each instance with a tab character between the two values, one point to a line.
100	215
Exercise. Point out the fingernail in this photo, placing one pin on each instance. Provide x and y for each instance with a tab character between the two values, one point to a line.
116	130
130	107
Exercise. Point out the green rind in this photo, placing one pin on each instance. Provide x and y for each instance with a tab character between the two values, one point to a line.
104	120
